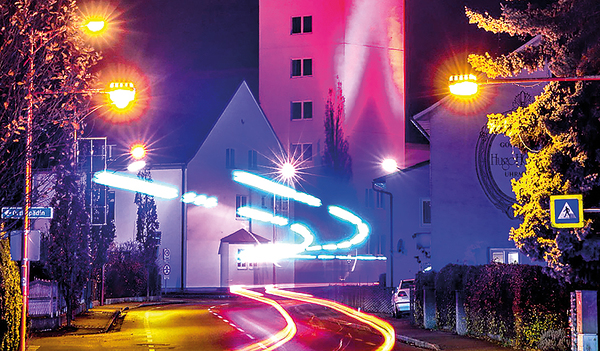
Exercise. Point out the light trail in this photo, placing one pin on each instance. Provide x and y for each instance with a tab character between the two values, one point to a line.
269	186
133	183
279	338
388	332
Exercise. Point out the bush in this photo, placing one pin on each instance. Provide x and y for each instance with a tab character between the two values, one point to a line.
126	274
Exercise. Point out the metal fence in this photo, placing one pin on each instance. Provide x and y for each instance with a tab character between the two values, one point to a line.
369	298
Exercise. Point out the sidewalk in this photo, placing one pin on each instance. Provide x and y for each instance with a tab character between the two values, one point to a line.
438	340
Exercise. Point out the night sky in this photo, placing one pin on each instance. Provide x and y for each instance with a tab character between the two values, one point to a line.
194	54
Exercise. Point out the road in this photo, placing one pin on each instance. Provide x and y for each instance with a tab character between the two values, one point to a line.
240	324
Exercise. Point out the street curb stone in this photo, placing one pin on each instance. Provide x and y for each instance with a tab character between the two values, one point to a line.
418	343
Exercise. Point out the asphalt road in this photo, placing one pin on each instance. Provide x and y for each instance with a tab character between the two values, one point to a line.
240	324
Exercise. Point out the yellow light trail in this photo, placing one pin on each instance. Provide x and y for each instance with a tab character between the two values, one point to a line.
281	337
388	332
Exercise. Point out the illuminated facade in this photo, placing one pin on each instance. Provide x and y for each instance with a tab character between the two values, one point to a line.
304	47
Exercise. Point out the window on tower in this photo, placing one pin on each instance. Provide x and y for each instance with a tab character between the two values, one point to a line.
301	110
301	67
301	152
301	24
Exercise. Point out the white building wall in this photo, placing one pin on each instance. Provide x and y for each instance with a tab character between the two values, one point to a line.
169	218
241	127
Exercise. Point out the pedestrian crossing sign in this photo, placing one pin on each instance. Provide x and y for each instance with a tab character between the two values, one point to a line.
566	211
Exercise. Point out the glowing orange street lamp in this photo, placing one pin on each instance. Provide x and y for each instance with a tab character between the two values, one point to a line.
467	84
121	94
137	152
94	25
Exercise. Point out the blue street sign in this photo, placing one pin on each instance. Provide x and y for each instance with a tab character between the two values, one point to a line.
34	212
566	211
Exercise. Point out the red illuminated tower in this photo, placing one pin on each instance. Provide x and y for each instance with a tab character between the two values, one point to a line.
304	46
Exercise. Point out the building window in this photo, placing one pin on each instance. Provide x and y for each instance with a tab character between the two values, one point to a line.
301	152
504	256
301	67
425	212
252	159
301	24
380	201
264	201
240	201
230	158
301	110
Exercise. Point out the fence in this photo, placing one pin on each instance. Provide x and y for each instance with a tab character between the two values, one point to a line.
369	298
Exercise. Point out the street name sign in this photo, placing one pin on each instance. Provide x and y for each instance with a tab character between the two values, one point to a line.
566	211
34	212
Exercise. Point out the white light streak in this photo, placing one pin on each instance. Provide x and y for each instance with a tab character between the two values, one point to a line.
270	186
132	183
262	216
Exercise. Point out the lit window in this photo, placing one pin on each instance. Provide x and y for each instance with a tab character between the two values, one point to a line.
301	110
240	201
241	264
252	159
230	158
301	24
504	256
302	67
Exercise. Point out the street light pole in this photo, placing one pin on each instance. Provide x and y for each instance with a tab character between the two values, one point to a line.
27	207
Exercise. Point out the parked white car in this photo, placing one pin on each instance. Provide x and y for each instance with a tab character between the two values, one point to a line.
401	298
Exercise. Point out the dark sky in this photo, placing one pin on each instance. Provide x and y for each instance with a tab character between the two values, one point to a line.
195	53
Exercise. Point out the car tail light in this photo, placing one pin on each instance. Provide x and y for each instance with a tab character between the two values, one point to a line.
402	294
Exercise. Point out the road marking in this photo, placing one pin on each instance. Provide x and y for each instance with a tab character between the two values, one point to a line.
148	332
233	325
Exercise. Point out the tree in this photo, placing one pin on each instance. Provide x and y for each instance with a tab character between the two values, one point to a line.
336	158
126	272
559	131
10	296
147	231
67	242
101	237
62	60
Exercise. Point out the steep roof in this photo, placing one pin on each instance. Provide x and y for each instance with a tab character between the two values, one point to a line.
243	236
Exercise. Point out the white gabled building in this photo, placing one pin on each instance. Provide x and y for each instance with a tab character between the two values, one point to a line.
242	138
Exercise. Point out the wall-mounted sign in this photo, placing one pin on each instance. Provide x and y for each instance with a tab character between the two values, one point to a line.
498	163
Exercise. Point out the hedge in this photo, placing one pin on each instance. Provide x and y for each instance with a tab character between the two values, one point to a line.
515	304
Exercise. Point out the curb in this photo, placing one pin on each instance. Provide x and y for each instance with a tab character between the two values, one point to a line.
418	343
118	313
113	319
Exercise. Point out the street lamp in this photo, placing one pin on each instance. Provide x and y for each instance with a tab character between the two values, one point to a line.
138	153
117	98
467	84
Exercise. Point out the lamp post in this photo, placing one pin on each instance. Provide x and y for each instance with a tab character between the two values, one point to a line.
116	96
